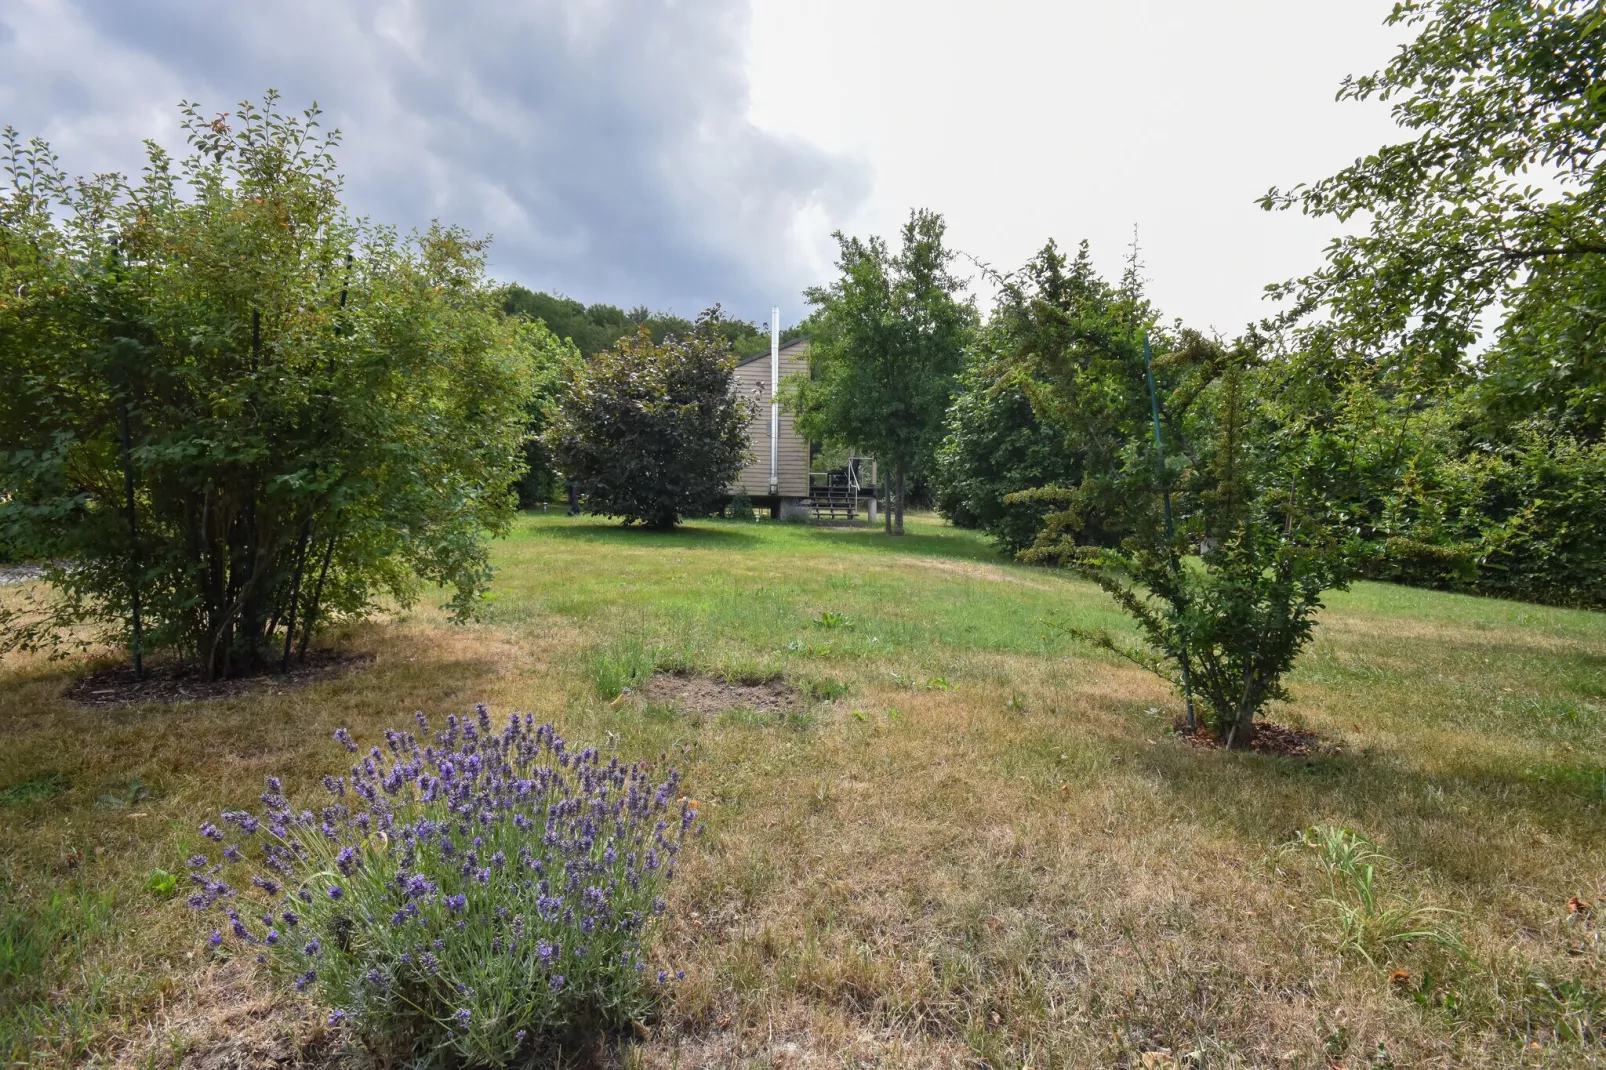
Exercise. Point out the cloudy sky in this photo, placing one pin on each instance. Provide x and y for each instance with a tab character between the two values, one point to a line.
679	152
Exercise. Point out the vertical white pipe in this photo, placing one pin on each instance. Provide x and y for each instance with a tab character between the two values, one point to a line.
775	404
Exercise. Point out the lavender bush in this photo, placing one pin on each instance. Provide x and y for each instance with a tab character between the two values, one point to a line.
466	901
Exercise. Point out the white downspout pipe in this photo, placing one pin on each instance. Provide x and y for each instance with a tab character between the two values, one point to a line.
775	403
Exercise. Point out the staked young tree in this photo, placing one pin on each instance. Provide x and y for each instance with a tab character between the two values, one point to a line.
231	413
887	345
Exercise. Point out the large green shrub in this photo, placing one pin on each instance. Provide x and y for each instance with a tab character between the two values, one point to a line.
231	412
654	431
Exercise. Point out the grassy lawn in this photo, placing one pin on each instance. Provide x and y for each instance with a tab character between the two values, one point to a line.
977	841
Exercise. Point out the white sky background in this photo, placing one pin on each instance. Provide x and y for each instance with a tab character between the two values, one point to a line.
1024	120
675	153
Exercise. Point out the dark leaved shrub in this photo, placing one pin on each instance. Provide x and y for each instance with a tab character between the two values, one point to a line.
469	898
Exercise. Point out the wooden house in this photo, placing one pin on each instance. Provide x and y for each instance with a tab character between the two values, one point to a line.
756	378
779	476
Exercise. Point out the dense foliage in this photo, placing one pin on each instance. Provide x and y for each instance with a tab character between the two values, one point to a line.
233	413
557	366
470	898
594	328
655	430
995	448
887	343
1494	211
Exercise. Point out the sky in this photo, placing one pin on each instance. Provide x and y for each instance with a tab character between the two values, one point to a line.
675	153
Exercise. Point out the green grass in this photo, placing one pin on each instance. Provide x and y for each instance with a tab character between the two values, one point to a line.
974	839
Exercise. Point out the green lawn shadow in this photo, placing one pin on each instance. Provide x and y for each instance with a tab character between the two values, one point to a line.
691	534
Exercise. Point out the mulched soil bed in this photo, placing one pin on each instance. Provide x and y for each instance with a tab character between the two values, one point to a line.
1270	738
705	694
177	682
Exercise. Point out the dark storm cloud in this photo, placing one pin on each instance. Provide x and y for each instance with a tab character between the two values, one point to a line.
604	144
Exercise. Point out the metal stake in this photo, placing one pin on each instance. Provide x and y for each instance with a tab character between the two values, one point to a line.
1170	526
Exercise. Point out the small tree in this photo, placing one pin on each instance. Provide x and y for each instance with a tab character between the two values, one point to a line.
1226	543
888	340
231	412
655	430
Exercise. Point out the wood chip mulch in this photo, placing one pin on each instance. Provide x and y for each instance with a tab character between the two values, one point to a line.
1270	738
170	682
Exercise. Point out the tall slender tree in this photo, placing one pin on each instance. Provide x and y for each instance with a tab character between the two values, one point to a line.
888	345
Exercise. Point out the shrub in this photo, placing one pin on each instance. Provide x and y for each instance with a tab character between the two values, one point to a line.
655	431
1231	545
234	409
1517	520
741	506
995	447
468	900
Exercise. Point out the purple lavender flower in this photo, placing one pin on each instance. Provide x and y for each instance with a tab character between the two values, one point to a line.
198	861
456	902
335	891
216	939
345	738
211	832
306	979
336	1017
462	1017
312	948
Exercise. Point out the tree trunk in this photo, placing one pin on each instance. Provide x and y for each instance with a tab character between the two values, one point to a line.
1242	731
897	523
317	600
295	595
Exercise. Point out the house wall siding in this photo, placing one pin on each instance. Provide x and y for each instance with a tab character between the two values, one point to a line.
753	384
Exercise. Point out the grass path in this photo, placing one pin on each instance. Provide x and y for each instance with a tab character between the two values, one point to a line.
979	842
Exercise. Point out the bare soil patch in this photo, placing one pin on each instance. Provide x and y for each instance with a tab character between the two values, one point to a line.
706	694
179	682
1270	738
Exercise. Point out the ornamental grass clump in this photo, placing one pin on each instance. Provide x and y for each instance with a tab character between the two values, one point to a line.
467	899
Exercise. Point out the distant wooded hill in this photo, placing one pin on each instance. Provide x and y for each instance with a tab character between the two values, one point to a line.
594	328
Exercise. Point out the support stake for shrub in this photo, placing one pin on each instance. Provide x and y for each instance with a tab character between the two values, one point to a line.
133	535
1170	526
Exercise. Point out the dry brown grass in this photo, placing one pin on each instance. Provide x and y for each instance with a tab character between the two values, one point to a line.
988	850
